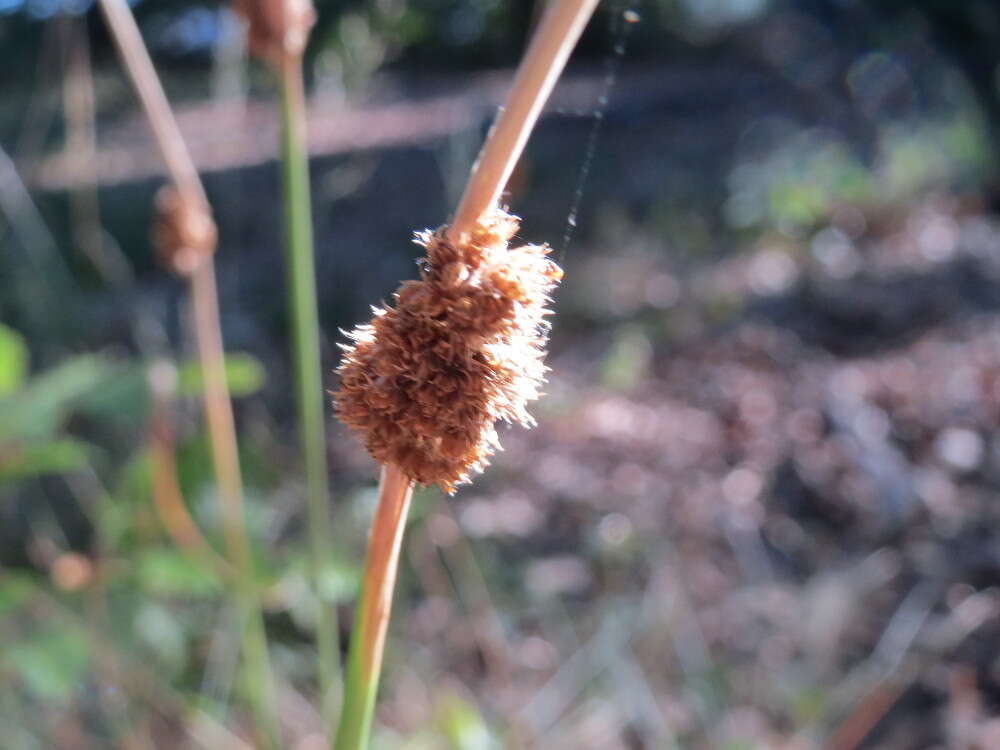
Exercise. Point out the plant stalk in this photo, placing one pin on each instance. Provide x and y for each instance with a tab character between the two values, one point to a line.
208	333
550	47
168	501
306	354
544	60
372	620
140	68
222	436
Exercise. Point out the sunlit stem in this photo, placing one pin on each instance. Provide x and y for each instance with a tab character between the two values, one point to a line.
306	355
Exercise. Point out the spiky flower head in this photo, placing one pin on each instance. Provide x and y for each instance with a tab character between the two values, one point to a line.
425	382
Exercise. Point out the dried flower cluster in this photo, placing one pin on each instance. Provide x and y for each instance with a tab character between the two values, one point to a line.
183	232
425	382
276	27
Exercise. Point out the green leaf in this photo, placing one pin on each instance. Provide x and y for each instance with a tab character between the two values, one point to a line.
14	592
809	704
161	631
244	375
51	661
125	396
461	725
338	582
13	360
135	481
39	409
628	360
20	461
169	572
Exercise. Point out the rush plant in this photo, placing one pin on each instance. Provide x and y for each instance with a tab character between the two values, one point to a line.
424	383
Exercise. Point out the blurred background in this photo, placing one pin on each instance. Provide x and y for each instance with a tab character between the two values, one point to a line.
760	508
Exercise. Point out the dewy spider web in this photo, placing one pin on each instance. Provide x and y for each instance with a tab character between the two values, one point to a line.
623	18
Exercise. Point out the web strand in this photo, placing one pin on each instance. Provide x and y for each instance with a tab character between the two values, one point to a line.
623	18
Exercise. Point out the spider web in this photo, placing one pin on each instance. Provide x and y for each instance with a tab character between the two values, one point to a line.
622	19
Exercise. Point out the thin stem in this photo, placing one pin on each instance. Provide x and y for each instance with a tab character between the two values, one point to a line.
550	47
306	355
222	437
372	619
161	118
42	280
167	497
208	332
80	117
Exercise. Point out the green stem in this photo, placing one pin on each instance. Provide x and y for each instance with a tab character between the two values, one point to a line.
308	376
374	607
225	457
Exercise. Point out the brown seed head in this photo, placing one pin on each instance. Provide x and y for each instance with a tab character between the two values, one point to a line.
276	27
183	232
71	571
425	381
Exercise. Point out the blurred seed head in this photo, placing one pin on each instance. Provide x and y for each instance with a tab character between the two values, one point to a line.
183	232
276	28
71	571
425	382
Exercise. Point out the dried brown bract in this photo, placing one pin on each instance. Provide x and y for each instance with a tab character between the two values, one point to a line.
183	232
276	27
425	382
